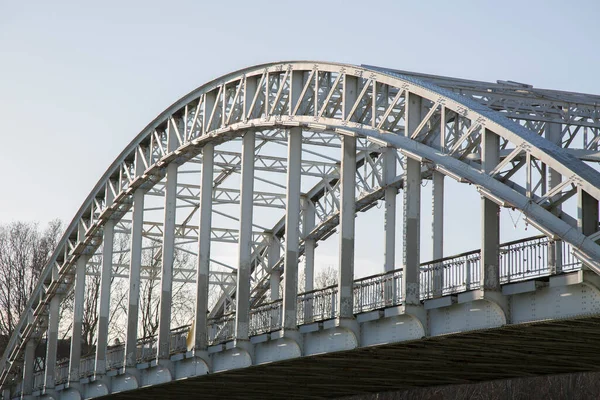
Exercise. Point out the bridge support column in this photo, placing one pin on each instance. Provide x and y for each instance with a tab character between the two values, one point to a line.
490	219
292	229
412	211
204	232
168	256
105	278
437	205
52	343
389	175
135	262
29	360
242	299
78	301
273	255
587	213
555	256
345	307
308	224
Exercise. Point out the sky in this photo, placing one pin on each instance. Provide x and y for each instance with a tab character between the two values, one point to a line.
78	80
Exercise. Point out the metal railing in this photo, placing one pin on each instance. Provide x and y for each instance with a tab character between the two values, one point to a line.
317	305
450	275
221	329
524	259
377	291
266	318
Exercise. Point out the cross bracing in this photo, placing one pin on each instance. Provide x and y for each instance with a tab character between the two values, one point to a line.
274	159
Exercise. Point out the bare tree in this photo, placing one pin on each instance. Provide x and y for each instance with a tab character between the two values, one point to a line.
24	251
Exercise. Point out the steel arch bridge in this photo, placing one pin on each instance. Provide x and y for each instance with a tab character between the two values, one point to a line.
312	144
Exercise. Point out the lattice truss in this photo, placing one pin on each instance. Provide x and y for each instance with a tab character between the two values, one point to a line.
544	139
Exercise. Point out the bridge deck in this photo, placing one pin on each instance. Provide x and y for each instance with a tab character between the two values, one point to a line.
511	351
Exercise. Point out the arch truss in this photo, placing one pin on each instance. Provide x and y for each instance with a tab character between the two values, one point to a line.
271	160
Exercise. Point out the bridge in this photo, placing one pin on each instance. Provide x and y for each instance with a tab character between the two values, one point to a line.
224	199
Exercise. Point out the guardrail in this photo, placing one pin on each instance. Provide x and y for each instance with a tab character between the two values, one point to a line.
377	291
221	329
266	318
519	260
317	305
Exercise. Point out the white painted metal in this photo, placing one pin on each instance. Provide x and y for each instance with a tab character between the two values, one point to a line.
78	304
389	173
105	278
292	231
52	343
277	97
202	283
347	214
242	316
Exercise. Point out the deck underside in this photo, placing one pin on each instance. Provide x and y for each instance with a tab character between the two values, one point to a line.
514	351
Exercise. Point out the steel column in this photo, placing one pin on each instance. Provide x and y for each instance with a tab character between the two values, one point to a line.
347	215
135	262
78	302
242	298
105	281
587	213
490	217
168	254
52	343
273	255
412	209
203	273
308	224
292	229
29	360
555	256
437	205
389	176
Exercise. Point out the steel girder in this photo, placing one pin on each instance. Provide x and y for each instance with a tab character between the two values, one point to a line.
315	96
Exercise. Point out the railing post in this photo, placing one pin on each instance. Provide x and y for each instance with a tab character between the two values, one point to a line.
242	298
105	281
135	262
204	232
412	209
490	218
52	343
345	304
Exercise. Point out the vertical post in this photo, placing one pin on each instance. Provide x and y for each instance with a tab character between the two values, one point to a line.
204	232
308	224
555	256
490	218
52	342
437	205
389	175
78	301
135	262
587	213
168	252
347	214
309	244
273	256
29	360
292	229
242	299
412	209
105	278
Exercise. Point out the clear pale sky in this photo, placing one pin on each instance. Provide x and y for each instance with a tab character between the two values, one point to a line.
78	80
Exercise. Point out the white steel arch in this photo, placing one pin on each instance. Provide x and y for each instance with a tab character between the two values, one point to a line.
436	131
